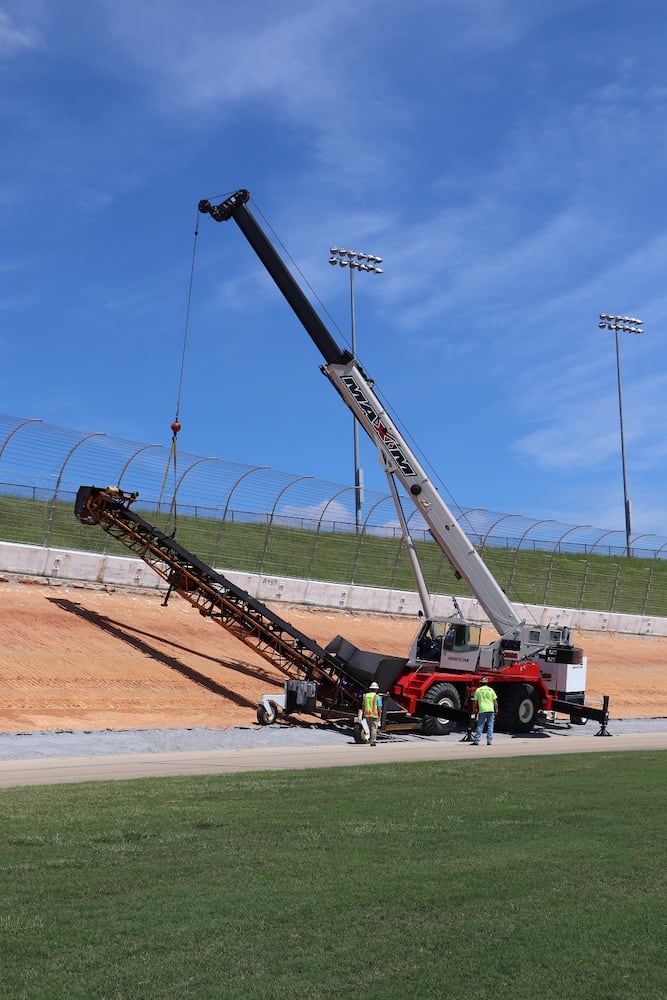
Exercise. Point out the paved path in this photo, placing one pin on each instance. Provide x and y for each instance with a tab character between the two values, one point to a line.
59	770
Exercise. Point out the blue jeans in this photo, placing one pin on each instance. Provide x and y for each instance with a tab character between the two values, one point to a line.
482	719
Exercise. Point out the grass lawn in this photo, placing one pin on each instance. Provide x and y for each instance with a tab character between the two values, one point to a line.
522	878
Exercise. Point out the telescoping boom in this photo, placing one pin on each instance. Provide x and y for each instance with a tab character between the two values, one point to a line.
357	392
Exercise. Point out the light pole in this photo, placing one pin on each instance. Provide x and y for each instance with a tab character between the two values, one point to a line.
627	324
366	263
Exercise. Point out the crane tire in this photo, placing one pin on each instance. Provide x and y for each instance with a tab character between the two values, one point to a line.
441	694
518	708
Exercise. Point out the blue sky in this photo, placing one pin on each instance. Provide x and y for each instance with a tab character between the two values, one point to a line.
506	159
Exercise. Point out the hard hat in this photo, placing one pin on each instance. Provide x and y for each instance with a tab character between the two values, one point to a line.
375	687
485	680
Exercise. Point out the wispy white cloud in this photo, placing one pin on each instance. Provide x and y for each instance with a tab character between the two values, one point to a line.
15	39
202	57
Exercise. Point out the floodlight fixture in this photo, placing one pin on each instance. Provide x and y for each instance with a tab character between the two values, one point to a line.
624	324
356	260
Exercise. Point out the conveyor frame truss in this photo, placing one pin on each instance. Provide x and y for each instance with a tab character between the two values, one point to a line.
287	649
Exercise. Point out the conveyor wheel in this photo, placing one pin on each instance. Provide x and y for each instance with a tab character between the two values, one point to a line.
360	734
266	713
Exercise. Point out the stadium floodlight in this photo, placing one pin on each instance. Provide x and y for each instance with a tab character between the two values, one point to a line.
355	260
624	324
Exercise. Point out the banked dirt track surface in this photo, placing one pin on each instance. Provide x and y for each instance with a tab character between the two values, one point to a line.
76	658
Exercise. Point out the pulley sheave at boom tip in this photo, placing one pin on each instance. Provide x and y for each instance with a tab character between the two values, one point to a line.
223	211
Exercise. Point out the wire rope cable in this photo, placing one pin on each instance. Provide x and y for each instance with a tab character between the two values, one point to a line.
176	423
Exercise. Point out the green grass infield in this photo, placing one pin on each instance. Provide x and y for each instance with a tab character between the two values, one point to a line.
515	878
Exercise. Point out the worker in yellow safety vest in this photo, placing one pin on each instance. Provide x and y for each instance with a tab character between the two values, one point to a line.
373	711
485	701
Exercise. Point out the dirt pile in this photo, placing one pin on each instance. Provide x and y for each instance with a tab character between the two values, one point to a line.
85	659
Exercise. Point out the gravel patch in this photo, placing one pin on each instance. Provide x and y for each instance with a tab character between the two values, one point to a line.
69	743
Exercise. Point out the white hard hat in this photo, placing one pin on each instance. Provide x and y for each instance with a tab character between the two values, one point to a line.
375	687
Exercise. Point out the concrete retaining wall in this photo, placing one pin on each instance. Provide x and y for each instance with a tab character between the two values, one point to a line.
112	572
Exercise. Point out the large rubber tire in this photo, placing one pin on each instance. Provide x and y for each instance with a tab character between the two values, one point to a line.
441	694
360	734
266	714
518	708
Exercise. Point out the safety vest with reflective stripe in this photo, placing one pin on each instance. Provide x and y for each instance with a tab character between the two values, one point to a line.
371	705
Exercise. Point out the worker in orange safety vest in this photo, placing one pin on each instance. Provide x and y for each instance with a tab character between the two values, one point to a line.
373	711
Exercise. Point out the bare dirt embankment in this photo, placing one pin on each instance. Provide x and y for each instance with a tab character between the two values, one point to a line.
85	659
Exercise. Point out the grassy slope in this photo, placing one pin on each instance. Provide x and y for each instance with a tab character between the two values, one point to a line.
570	580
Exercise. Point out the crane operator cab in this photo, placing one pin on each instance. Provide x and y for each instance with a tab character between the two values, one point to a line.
454	644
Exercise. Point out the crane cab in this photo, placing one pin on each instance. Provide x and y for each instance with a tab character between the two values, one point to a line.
452	644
